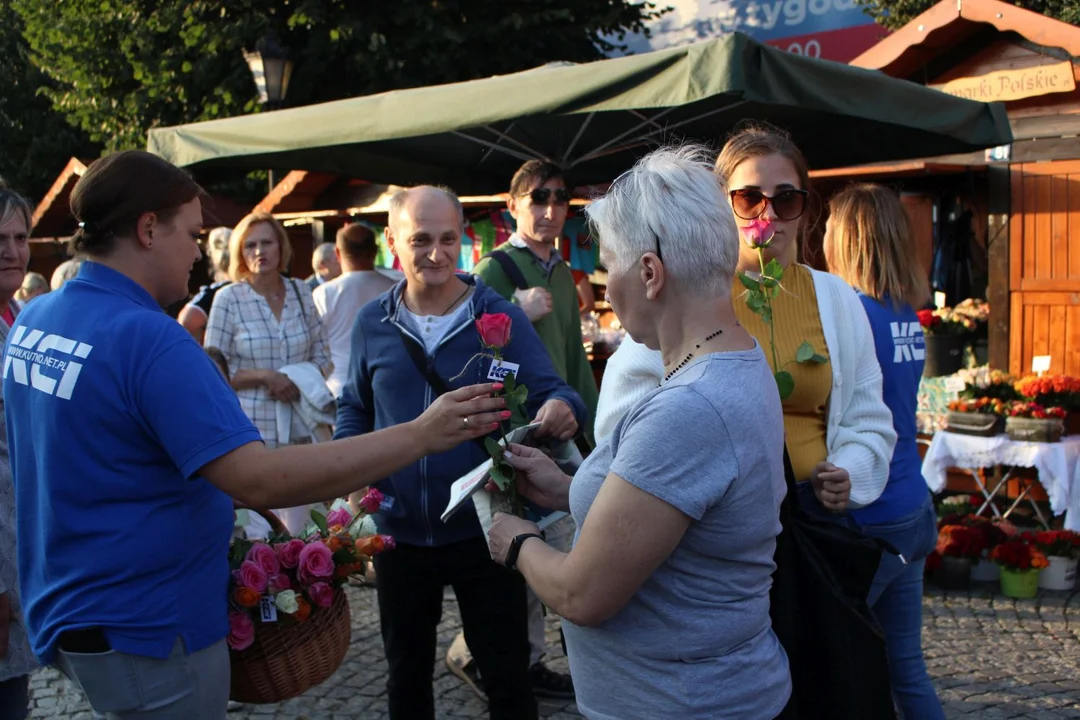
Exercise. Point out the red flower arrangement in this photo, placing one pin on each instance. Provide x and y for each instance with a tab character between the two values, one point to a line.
1018	556
1058	543
1035	411
285	579
961	541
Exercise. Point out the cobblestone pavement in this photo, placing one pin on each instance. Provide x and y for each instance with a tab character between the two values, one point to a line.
990	657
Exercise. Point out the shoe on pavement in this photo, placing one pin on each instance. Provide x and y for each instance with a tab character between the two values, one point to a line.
550	684
460	664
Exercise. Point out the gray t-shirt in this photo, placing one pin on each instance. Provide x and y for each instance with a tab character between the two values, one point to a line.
695	641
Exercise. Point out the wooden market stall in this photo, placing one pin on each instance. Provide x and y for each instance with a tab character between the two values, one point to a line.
1030	205
1022	200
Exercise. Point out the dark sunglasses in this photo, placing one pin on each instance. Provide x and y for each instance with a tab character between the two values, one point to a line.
542	196
750	204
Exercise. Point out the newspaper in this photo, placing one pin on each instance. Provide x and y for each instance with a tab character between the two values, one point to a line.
472	485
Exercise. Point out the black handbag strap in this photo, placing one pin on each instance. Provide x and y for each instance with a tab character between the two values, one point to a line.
510	268
419	358
303	310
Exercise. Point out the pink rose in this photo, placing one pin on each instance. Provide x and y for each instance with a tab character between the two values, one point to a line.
264	556
252	576
341	517
388	542
289	553
758	233
280	582
494	329
372	501
316	561
241	631
321	594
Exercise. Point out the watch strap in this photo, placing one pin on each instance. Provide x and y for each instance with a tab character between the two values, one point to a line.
515	548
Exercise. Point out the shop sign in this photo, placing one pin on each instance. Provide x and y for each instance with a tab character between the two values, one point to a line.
1006	85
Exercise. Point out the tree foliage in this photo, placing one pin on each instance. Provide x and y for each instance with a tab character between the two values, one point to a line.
36	140
120	67
894	14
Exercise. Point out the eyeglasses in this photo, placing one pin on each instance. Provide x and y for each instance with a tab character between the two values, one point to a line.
750	204
542	196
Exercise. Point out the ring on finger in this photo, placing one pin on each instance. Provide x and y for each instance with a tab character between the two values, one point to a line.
465	422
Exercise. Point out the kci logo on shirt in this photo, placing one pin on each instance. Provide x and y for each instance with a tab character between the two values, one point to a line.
908	341
38	349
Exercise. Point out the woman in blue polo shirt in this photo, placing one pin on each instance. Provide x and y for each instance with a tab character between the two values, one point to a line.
126	444
868	244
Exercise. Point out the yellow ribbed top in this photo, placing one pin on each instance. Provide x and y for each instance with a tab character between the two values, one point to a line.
795	319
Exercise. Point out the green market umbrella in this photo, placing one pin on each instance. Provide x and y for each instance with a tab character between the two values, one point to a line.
597	118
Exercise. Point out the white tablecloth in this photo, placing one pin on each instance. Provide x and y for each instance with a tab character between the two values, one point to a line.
1058	465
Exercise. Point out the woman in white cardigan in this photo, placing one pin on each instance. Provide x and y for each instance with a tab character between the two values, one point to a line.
839	430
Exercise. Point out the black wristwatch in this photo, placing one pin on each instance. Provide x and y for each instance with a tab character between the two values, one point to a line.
515	548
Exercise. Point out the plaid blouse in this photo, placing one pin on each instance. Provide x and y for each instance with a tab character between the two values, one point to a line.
242	326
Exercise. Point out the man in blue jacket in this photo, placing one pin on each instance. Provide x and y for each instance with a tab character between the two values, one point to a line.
408	346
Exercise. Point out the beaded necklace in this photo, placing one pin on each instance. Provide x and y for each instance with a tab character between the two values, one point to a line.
690	355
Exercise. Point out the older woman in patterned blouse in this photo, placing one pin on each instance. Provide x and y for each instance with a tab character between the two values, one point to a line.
16	659
262	323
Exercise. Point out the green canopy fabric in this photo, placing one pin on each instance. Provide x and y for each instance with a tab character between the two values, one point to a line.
597	118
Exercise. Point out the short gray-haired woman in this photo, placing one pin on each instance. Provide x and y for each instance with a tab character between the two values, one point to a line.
666	591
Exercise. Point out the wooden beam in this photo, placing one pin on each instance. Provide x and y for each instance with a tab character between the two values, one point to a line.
998	257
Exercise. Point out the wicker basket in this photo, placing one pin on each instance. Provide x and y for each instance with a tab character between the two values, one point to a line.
288	657
1034	429
980	424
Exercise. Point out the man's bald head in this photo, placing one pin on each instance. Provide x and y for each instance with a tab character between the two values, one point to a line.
420	199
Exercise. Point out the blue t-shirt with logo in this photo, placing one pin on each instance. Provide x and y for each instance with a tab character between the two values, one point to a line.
901	352
112	409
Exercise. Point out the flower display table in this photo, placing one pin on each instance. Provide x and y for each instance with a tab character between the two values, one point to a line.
1058	466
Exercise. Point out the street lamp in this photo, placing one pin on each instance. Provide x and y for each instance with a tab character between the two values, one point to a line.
271	67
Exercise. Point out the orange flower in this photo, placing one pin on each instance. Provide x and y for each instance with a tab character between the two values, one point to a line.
333	542
303	609
370	545
246	597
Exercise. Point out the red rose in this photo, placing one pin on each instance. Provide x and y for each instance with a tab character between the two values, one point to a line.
494	329
926	318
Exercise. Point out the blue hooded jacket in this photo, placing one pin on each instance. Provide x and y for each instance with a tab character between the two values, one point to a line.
385	388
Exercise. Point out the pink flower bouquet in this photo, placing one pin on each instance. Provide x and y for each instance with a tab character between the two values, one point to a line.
285	579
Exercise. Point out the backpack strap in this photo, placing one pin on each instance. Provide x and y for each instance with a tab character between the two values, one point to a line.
510	268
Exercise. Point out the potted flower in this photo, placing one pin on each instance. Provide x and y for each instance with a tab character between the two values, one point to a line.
946	336
1031	422
1020	563
958	548
993	534
288	615
1062	391
1061	548
983	416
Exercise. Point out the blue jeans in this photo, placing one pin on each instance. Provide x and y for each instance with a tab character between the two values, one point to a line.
184	686
896	599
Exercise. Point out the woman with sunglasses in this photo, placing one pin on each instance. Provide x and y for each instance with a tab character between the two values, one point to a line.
839	431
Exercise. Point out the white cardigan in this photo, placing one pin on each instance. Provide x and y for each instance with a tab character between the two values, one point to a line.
859	435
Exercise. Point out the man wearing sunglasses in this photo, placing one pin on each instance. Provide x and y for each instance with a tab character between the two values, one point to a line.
530	271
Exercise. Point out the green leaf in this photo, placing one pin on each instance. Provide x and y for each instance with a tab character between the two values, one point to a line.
320	521
494	448
517	398
755	302
766	314
819	359
500	476
509	383
804	353
774	269
344	556
785	384
748	282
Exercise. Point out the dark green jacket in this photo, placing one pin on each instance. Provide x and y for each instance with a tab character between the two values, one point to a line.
560	330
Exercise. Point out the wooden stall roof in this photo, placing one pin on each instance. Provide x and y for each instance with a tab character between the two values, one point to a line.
915	168
947	26
52	217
